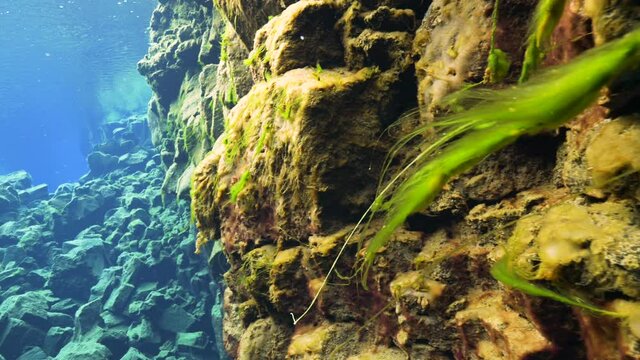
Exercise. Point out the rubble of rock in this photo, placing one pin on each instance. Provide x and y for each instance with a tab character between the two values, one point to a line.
105	268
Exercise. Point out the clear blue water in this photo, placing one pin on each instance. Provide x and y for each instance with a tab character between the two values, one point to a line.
66	66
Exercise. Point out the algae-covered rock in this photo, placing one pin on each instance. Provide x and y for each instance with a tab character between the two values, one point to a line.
613	155
591	246
490	329
283	44
284	138
264	339
322	341
175	46
453	42
247	17
285	275
271	126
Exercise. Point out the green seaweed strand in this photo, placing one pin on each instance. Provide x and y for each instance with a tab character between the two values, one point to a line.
498	61
501	117
546	17
501	272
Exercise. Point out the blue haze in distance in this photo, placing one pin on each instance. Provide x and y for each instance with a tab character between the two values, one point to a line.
65	66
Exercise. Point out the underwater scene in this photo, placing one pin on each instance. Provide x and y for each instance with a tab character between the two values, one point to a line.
319	179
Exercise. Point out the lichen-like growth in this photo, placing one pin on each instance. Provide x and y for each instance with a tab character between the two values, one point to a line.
599	239
614	151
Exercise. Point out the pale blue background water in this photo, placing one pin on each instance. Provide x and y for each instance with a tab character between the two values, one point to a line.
65	66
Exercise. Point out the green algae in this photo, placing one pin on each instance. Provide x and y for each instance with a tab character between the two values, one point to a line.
503	273
499	118
256	55
546	17
498	63
240	185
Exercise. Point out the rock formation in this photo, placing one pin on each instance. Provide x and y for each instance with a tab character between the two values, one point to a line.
284	137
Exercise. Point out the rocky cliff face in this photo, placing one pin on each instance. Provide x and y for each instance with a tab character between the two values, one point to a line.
284	136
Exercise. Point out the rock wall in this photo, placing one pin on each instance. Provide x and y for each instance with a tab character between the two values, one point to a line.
314	93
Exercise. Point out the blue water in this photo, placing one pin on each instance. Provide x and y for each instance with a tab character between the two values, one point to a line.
66	66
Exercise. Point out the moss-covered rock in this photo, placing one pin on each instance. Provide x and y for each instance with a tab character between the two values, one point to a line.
613	155
263	339
273	135
453	43
296	114
594	247
283	43
247	17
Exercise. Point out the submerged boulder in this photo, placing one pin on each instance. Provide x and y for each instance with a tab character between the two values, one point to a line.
84	350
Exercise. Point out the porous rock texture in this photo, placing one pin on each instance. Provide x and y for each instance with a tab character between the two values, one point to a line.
307	92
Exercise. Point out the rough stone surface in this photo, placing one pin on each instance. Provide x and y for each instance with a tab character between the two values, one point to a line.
284	138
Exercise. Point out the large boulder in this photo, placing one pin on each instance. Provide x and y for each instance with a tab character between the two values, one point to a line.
31	307
17	335
83	351
74	272
101	163
19	180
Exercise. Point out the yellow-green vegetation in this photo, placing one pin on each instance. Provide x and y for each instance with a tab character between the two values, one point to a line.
259	147
415	284
318	71
237	188
256	55
498	119
254	272
599	239
204	196
614	151
224	44
498	61
630	310
501	272
324	245
230	94
287	104
309	340
546	17
560	241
